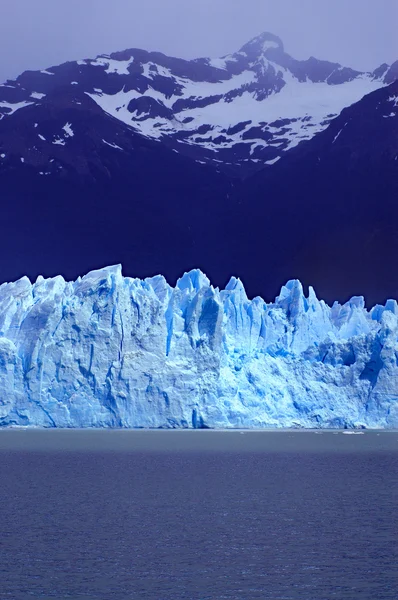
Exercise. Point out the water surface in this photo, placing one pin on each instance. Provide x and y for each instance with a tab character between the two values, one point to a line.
170	515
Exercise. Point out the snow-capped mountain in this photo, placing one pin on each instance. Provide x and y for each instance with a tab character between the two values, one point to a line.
164	165
238	113
81	188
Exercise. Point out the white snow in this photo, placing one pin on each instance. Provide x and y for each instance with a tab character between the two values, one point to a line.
22	160
120	67
74	83
221	63
265	44
151	70
295	100
37	95
112	145
42	137
14	107
59	142
255	144
338	134
68	130
308	104
2	155
47	72
116	104
218	63
269	44
273	161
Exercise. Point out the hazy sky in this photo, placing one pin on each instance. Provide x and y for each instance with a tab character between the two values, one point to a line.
40	33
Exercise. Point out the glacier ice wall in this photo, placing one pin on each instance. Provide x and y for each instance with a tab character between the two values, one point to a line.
111	351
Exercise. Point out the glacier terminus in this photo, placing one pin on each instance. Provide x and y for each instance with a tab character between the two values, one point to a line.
112	351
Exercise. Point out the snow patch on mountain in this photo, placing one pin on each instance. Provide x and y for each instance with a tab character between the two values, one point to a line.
68	130
112	145
241	110
221	105
273	161
11	108
120	67
37	95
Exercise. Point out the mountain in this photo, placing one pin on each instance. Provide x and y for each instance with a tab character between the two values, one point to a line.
328	211
237	113
98	167
108	351
147	206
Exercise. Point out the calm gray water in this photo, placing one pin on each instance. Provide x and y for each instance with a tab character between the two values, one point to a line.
173	515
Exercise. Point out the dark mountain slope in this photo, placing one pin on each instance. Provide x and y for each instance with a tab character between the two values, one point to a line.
86	204
81	188
236	113
328	212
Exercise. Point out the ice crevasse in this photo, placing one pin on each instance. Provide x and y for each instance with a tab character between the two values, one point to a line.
111	351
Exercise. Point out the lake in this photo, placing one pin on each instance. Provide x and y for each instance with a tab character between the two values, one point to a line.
198	515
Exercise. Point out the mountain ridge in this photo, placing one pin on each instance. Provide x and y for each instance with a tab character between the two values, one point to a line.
80	187
334	200
238	113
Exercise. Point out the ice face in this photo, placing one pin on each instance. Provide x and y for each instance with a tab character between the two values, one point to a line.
109	351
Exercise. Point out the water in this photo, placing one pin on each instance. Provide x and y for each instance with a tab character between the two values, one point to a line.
198	515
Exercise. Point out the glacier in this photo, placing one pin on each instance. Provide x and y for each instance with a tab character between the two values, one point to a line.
113	351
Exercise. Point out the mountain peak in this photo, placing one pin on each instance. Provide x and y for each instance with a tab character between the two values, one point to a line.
262	43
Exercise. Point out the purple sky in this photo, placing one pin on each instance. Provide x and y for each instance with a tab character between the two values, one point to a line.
39	33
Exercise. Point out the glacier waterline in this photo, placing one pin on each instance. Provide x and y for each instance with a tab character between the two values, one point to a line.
112	351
